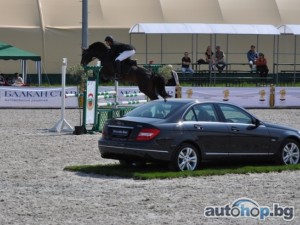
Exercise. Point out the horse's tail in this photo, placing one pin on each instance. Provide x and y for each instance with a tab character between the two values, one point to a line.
160	86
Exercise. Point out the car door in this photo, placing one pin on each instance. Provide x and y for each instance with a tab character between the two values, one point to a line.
211	135
246	138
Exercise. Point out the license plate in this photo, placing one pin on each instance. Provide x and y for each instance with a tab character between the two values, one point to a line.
120	132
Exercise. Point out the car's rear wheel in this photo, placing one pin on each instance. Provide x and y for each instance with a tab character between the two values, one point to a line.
289	152
186	157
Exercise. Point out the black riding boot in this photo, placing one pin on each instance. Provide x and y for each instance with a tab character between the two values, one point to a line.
119	69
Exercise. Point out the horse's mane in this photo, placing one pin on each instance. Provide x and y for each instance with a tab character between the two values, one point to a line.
100	46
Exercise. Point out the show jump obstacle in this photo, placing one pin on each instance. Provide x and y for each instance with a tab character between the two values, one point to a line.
95	111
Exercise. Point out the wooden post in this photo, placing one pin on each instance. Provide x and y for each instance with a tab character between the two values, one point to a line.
272	96
178	93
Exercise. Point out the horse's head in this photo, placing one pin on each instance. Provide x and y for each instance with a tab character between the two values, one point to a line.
96	50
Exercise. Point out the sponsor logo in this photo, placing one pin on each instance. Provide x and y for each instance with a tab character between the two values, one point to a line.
245	207
90	101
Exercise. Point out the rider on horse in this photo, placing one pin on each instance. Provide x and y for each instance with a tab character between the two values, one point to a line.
120	52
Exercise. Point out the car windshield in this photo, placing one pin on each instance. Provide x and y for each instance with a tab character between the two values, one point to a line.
155	109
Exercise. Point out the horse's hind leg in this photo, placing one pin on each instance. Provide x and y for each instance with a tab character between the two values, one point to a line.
152	96
149	91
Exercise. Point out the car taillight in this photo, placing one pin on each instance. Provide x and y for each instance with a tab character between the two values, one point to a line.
147	134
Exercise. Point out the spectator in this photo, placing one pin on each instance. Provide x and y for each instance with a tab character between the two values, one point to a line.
208	55
261	65
17	80
186	64
219	59
252	56
209	58
173	81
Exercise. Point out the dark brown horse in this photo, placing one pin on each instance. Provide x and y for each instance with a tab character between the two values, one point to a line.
150	84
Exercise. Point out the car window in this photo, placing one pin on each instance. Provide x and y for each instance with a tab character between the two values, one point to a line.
164	110
205	112
154	109
147	114
201	112
234	114
190	115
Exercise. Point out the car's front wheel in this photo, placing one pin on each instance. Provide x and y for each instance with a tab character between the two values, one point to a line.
290	152
186	157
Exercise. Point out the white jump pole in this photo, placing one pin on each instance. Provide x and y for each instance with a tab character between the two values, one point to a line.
106	92
63	122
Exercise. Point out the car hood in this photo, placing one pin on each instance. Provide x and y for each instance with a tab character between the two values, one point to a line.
276	126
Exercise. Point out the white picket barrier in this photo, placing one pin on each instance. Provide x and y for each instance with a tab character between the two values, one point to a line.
114	94
116	106
71	95
133	95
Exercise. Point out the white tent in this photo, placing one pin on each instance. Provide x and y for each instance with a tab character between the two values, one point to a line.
200	28
52	28
122	14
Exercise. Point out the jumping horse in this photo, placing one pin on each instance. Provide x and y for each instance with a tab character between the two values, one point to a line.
149	83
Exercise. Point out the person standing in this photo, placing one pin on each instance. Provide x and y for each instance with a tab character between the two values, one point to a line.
186	64
120	52
252	56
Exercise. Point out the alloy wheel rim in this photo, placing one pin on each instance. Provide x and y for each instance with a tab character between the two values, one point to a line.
291	154
187	159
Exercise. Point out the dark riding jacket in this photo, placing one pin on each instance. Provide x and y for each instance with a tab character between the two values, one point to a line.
118	47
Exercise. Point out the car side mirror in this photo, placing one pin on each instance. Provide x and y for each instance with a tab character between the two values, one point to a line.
257	122
254	124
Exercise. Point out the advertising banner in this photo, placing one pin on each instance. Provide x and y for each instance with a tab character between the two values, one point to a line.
254	97
246	97
27	97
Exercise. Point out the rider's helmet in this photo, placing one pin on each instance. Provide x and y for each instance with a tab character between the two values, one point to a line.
110	39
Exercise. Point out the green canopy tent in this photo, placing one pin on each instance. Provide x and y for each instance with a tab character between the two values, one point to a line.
9	52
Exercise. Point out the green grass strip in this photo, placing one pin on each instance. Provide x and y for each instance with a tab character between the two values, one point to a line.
159	172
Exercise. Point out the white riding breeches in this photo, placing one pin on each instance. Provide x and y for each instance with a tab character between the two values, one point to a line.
125	55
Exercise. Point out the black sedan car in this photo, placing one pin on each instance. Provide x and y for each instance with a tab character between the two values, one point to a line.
185	132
